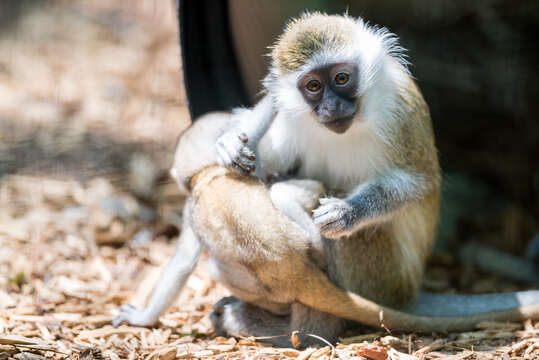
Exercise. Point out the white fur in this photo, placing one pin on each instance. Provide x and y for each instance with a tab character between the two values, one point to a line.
341	161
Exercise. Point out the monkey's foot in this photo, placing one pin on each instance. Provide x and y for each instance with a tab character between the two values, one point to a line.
234	317
133	315
231	317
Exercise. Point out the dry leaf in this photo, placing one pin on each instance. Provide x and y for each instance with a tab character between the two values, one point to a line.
221	348
373	352
306	354
165	353
326	350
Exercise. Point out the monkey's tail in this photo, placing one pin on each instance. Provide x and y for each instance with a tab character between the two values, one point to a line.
452	305
421	317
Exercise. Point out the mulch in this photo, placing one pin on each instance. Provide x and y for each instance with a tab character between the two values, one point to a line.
91	105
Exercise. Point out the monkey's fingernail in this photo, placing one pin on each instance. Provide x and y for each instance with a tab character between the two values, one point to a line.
243	137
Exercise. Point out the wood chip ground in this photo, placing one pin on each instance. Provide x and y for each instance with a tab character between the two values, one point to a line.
91	102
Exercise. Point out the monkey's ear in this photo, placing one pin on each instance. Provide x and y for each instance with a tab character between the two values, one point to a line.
182	185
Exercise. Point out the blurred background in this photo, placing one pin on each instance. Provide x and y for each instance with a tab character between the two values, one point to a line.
86	85
92	101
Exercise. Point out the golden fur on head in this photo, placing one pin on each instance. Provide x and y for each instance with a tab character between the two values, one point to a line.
305	36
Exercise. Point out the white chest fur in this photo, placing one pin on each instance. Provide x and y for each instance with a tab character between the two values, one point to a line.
340	161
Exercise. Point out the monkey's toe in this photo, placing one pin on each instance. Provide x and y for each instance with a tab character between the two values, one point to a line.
132	315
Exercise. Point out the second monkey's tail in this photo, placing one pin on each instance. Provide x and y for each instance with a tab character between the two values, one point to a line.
452	305
422	316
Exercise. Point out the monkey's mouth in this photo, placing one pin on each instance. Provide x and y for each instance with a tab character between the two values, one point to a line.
339	125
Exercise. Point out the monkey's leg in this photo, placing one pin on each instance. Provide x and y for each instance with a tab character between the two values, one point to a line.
172	280
235	317
310	321
232	316
296	199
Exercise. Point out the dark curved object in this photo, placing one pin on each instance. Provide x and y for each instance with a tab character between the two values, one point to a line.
210	70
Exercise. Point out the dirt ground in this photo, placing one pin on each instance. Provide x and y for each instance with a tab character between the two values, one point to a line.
91	103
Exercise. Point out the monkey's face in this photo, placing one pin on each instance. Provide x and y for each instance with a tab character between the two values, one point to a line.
331	91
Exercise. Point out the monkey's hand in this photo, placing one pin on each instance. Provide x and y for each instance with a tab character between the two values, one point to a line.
335	217
233	152
134	315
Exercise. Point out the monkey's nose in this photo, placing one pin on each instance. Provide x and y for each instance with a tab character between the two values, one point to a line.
326	112
324	115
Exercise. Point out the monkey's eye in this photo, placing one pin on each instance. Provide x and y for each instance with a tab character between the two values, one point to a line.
314	86
342	78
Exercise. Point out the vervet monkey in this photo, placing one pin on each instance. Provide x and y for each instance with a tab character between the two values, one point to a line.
342	108
266	257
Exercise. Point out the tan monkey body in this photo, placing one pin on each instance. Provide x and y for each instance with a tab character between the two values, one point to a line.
276	262
269	262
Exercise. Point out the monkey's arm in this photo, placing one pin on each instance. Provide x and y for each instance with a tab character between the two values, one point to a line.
236	147
172	280
370	203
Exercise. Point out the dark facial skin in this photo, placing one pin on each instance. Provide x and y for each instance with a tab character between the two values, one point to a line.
331	91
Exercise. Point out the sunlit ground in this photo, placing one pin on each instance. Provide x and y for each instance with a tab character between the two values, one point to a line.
91	103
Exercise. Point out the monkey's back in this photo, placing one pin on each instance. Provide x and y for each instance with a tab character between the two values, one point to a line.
235	219
234	213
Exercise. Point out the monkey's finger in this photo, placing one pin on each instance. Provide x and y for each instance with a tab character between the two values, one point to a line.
328	227
322	210
245	159
242	164
246	165
248	153
328	200
224	159
326	219
245	171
